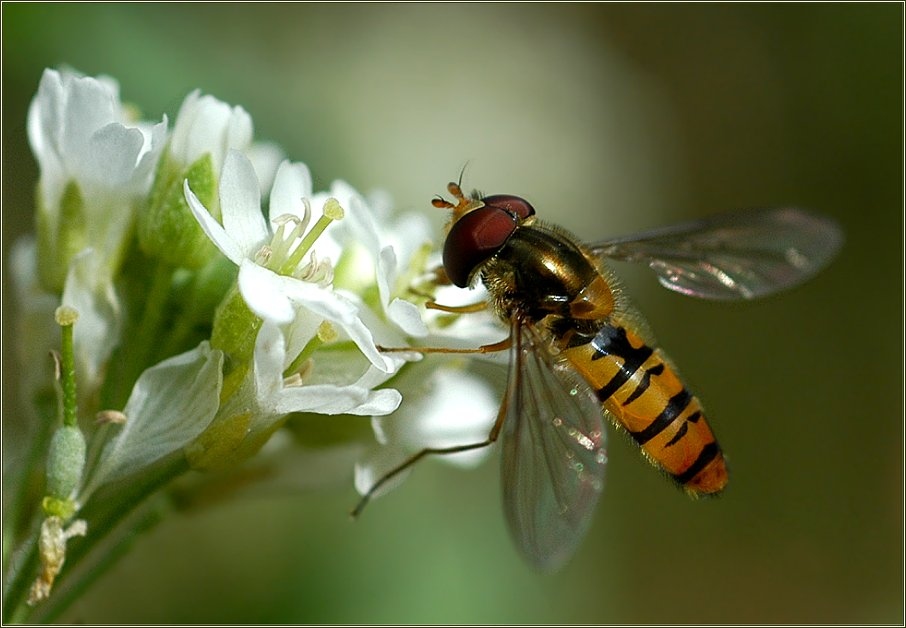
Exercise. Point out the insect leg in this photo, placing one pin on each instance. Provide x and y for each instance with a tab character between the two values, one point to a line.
457	309
439	278
492	437
491	348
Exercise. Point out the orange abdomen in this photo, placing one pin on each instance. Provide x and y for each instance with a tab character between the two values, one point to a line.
637	385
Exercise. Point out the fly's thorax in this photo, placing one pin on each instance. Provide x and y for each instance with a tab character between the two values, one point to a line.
541	271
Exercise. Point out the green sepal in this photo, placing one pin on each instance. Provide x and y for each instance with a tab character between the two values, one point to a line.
60	240
235	329
211	284
167	230
228	442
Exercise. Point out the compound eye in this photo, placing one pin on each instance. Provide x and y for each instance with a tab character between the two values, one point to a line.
510	203
473	239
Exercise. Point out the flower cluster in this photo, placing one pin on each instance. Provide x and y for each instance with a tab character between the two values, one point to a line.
209	300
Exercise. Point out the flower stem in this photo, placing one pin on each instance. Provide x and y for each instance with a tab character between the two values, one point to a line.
67	373
142	340
153	315
113	523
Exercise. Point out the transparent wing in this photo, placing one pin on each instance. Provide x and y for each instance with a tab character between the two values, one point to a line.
553	452
738	255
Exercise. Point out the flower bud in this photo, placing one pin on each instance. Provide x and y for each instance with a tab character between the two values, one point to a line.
166	229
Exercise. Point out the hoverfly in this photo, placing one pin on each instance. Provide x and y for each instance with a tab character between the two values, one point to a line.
579	351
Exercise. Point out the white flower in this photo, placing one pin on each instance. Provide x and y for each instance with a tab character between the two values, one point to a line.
276	395
251	415
389	245
445	407
80	135
205	125
266	157
260	250
96	166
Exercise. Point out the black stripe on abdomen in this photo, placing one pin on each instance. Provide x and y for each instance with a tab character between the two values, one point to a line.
612	341
708	453
677	404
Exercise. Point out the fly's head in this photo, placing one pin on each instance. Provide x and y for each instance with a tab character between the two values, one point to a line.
480	226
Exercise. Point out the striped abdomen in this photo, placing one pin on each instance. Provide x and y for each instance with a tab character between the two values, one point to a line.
637	385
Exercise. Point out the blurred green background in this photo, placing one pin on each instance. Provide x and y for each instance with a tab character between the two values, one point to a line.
610	119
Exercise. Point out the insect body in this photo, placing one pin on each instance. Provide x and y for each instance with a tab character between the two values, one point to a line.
540	278
580	352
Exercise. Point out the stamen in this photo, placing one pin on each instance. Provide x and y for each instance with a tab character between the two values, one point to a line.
294	379
327	332
332	211
301	365
110	416
316	271
306	213
264	255
289	230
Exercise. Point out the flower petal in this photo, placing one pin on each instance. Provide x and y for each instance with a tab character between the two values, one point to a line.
205	125
240	203
291	185
447	407
90	105
213	229
321	398
265	157
336	308
113	154
376	464
329	399
265	292
359	222
408	317
379	402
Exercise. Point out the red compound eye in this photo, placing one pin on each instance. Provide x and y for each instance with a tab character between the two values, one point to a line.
474	238
513	204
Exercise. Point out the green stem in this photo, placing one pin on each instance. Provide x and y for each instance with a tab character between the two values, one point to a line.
140	339
68	378
109	515
199	299
180	333
18	579
20	481
147	338
21	571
